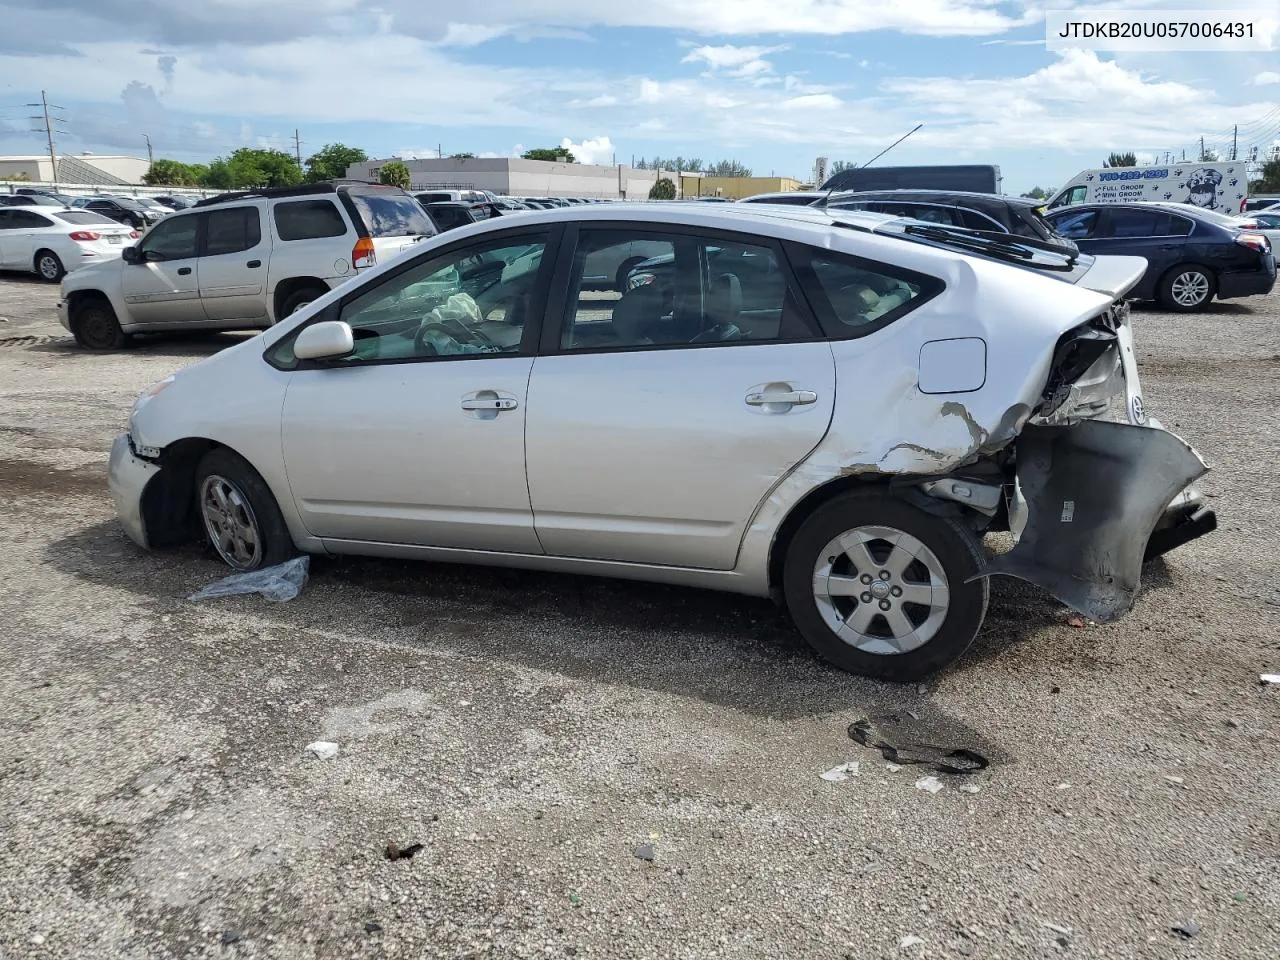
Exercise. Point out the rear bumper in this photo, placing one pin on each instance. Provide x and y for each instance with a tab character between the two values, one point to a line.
1256	283
127	478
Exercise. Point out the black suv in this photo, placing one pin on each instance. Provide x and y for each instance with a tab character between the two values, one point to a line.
988	212
448	214
123	210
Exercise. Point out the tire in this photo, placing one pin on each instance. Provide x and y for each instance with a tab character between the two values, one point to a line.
232	499
620	279
1187	288
94	325
942	625
48	267
299	299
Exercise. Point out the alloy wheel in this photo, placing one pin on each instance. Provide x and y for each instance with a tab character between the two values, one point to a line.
881	590
229	521
1190	289
49	267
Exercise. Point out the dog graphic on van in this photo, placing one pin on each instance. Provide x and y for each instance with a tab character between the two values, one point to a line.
1203	186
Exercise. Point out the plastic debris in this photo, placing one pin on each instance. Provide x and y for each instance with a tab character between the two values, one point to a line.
229	937
372	927
1077	621
1065	931
893	767
645	851
575	900
910	941
1175	780
842	772
1187	929
323	749
968	788
879	733
1269	678
932	784
395	852
282	582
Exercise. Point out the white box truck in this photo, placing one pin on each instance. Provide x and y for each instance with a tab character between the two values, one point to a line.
1223	187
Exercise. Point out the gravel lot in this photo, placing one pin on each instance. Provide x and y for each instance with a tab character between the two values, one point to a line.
530	731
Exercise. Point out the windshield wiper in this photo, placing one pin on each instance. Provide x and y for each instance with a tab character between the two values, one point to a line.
1021	251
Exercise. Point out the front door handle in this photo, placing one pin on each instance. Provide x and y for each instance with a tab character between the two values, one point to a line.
489	403
183	271
796	397
253	264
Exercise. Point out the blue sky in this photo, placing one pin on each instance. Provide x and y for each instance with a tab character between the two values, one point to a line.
771	83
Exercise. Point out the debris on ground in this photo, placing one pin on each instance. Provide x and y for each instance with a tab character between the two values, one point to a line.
229	937
878	733
1077	621
282	582
910	941
968	788
395	852
1187	929
1056	928
1176	781
323	749
372	927
1269	678
575	900
842	772
932	784
645	851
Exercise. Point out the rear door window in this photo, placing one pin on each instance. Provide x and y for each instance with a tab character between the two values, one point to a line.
1135	224
1076	226
232	230
852	296
308	220
26	220
387	214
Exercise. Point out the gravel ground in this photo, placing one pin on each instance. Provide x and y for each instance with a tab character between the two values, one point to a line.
531	731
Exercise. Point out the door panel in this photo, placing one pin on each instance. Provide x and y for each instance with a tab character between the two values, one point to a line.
164	287
233	266
662	456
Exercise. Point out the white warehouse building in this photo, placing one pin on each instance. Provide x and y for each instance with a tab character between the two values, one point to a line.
512	177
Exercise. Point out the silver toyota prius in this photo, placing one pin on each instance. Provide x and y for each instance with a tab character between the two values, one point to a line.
828	407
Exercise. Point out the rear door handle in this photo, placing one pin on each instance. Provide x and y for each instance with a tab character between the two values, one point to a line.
489	403
797	397
183	271
253	263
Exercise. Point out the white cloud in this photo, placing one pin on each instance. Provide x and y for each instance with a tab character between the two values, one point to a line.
813	101
603	100
733	61
593	150
795	85
469	34
1266	77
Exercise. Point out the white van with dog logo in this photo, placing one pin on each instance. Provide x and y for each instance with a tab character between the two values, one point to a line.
1223	187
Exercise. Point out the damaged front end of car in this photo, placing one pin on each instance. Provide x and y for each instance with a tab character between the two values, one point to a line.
1093	499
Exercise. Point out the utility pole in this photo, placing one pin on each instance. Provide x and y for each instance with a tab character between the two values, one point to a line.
1235	137
1202	149
151	157
297	145
439	151
44	104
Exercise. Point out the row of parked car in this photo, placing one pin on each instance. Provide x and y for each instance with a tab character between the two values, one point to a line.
1193	254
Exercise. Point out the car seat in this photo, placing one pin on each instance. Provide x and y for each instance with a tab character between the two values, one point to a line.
723	310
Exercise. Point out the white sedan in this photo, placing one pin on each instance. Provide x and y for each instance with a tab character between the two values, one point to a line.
827	407
1267	223
52	243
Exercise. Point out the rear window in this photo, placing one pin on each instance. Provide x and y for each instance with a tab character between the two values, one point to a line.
231	231
83	216
392	215
853	296
308	220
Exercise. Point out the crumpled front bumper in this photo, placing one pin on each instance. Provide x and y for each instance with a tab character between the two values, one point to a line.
1101	498
127	478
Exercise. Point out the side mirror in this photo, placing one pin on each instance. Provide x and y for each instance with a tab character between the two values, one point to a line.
328	338
130	255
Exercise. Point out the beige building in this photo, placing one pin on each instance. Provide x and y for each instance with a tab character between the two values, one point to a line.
84	168
735	188
512	177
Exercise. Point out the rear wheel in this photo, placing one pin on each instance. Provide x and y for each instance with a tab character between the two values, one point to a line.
94	325
1187	288
49	266
239	512
299	299
881	588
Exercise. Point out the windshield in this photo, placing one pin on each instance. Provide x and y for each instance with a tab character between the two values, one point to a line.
83	216
392	214
127	204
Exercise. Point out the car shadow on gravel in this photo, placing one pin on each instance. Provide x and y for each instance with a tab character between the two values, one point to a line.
178	345
722	648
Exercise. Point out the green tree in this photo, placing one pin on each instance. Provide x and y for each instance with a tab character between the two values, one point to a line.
331	161
1129	159
554	154
173	173
1036	193
1270	182
727	168
664	189
462	156
17	177
395	174
248	168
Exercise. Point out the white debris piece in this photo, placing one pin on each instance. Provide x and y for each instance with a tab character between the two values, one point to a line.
1174	780
968	788
323	749
842	772
932	784
910	941
893	767
1269	677
1065	931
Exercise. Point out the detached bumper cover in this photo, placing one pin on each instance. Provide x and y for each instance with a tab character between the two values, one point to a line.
1095	491
127	478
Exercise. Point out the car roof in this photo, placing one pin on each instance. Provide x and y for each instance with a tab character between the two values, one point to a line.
912	193
765	197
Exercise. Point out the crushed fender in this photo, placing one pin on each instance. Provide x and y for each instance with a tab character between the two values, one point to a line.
1095	491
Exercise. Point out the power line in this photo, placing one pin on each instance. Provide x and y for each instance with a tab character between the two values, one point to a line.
44	104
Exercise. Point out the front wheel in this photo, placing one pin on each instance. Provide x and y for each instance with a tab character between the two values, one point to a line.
878	587
94	325
1187	288
239	512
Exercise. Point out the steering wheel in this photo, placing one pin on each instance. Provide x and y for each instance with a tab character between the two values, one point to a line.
423	346
454	326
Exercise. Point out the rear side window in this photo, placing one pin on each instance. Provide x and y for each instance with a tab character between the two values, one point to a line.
392	214
1119	224
308	220
853	297
1076	226
233	230
26	220
83	217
